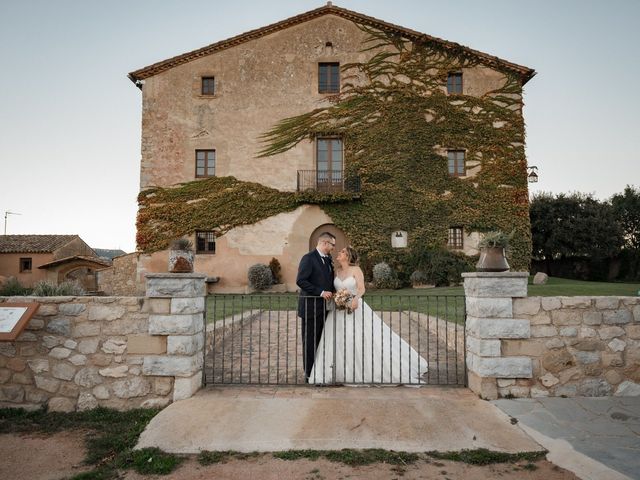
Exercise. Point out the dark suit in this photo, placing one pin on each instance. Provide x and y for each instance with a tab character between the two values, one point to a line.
314	277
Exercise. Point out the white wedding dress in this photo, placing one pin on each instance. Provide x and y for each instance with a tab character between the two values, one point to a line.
360	348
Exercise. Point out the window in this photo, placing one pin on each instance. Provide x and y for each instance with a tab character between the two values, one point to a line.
456	163
208	86
454	83
328	77
205	163
205	242
329	164
25	265
455	238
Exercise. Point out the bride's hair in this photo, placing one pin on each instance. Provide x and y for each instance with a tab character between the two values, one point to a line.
352	255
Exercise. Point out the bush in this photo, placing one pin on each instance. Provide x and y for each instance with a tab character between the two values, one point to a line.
13	288
384	277
48	289
260	276
275	267
419	277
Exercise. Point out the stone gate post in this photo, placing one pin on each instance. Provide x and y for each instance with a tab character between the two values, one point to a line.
176	310
489	303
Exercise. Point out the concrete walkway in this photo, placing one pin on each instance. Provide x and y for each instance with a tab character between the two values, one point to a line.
595	438
396	418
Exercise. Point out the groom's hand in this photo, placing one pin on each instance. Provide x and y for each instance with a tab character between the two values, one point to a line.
326	295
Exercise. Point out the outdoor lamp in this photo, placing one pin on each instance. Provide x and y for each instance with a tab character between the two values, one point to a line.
533	176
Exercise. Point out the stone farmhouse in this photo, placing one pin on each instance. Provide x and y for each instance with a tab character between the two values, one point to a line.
328	120
56	258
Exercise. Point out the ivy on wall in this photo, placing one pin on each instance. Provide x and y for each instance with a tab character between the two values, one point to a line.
396	120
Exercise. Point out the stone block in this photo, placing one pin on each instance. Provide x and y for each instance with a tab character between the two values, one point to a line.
28	350
185	344
60	353
554	342
486	388
541	331
131	387
557	360
27	337
63	371
159	305
16	364
575	302
617	316
489	307
187	305
170	285
5	375
590	345
88	345
86	401
101	392
549	380
617	345
7	349
630	300
59	326
114	345
78	359
592	318
126	326
51	341
176	324
61	404
594	387
628	389
586	332
607	333
566	391
636	313
487	328
156	403
540	278
483	348
12	394
550	303
88	377
70	344
47	310
47	384
569	374
35	324
569	332
185	387
585	358
566	317
607	303
514	348
36	396
612	359
505	382
496	287
86	329
526	306
539	392
172	365
115	372
38	365
146	344
105	312
633	331
101	360
613	377
542	318
22	378
503	367
72	309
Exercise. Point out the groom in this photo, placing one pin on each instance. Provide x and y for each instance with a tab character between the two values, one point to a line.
315	279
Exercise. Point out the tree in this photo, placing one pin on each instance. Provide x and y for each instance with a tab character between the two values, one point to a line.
573	225
626	207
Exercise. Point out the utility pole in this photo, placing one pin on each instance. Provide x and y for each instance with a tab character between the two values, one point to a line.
6	214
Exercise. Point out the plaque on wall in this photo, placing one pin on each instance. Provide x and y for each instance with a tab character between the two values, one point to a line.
14	317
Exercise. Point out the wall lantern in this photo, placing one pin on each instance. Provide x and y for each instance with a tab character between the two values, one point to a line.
399	239
532	177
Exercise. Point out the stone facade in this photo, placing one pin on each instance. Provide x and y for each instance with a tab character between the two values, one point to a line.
123	278
519	346
78	353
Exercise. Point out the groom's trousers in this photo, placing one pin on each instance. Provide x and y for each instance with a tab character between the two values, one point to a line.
313	319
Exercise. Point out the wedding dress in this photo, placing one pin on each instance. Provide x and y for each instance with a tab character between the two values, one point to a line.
359	347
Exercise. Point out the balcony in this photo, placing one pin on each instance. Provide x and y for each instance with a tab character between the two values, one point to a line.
328	181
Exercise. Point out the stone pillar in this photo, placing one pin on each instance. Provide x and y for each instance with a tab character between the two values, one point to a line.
489	302
177	305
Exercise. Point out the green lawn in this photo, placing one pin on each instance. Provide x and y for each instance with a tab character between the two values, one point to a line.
573	288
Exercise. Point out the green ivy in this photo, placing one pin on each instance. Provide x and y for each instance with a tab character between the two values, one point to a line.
392	115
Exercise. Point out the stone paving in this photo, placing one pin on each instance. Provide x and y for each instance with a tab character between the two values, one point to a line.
260	347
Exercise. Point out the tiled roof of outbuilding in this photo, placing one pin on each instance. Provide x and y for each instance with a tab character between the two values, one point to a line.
525	73
33	243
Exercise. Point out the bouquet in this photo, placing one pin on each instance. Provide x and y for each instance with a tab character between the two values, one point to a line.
343	299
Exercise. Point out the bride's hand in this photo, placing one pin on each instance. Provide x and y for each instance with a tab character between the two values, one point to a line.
354	304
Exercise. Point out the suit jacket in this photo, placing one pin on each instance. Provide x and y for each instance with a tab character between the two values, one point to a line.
313	278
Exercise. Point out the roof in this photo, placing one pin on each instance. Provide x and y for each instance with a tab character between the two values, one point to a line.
109	253
33	243
525	73
84	258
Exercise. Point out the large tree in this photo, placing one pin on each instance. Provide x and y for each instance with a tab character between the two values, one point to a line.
626	206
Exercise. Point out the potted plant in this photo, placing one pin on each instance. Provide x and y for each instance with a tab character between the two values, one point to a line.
492	252
181	256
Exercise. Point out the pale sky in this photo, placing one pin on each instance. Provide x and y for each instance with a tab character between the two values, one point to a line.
70	119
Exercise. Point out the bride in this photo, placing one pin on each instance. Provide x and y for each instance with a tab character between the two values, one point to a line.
359	347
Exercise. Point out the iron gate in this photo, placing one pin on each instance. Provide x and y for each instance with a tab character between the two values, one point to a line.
257	340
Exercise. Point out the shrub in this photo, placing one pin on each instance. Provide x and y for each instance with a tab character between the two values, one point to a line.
384	277
419	277
496	238
275	267
48	289
13	288
260	276
181	244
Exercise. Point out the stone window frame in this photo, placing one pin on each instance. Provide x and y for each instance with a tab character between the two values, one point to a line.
208	86
456	166
329	87
453	86
208	238
207	169
26	264
455	239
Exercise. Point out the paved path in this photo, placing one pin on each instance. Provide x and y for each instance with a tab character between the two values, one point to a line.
280	418
594	437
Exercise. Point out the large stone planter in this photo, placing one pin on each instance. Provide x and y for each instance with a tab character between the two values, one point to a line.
180	261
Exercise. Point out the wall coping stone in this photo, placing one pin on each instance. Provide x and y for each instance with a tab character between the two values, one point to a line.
495	275
177	275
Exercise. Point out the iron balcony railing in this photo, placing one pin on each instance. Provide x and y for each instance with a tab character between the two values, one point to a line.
329	181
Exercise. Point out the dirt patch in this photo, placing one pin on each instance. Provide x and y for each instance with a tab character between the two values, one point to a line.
42	457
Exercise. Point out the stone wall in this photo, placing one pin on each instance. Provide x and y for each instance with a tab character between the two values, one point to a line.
118	352
123	278
519	346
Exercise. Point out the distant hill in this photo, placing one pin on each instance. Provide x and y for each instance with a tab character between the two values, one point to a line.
109	254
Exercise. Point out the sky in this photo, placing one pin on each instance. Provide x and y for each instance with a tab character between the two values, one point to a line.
70	119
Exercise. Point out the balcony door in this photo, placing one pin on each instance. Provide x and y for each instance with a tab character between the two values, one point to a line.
329	164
